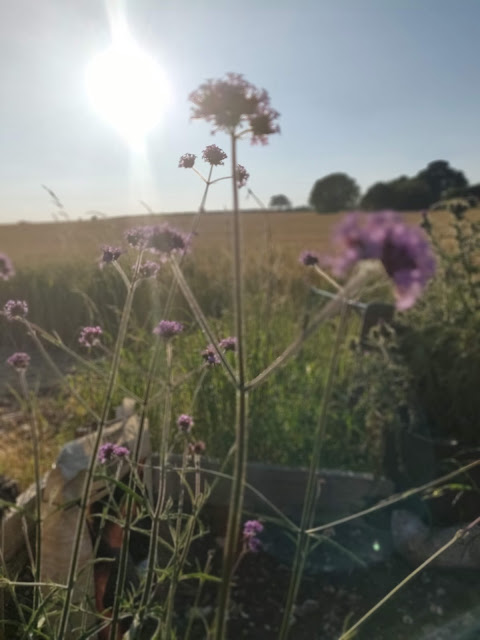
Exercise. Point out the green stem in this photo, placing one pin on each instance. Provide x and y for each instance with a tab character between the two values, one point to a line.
241	427
308	511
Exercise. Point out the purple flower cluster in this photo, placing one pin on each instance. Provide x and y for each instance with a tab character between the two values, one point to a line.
228	344
197	448
149	269
251	529
90	336
309	258
242	176
110	451
187	161
19	360
232	102
6	267
110	254
161	239
210	355
404	252
15	309
185	423
214	155
168	328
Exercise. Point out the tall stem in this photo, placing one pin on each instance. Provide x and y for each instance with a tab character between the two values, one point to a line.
241	427
303	539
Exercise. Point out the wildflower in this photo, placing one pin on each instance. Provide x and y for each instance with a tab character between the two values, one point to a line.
6	267
19	360
90	336
148	269
135	236
228	344
210	355
309	258
404	252
213	155
164	240
233	102
110	254
110	451
187	161
15	309
168	328
242	176
197	448
251	529
185	423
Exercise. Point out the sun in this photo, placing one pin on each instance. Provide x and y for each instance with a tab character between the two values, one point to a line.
128	89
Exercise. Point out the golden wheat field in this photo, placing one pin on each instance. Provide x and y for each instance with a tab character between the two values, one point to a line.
36	244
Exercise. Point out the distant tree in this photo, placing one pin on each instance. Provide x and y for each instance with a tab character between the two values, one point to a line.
441	177
334	192
402	194
280	201
380	195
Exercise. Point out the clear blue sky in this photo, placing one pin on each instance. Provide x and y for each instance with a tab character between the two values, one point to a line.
375	88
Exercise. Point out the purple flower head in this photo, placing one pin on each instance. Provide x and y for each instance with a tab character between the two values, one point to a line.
232	102
185	423
228	344
168	328
404	252
149	269
309	258
90	336
251	529
6	267
197	448
242	176
110	254
19	360
110	451
210	355
136	236
213	155
187	161
164	240
15	309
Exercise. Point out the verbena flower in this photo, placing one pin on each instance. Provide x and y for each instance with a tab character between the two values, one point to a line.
242	176
6	267
19	360
90	336
251	529
403	250
110	451
168	328
228	344
185	423
136	236
165	240
197	448
149	269
232	103
210	355
187	161
110	254
15	309
309	258
214	155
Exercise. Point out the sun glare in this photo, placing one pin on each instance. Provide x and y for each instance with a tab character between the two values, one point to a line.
128	89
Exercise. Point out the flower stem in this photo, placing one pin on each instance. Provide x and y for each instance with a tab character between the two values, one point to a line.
241	427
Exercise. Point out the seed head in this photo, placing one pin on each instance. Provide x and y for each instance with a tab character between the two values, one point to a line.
197	448
309	258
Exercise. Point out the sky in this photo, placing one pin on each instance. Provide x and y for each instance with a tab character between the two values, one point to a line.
373	88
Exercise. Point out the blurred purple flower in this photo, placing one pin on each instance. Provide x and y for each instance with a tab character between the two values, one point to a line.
168	328
404	252
15	309
110	254
242	176
19	360
187	161
149	269
251	529
309	258
228	344
197	448
232	102
164	240
210	355
136	236
214	155
110	451
90	336
6	267
185	423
